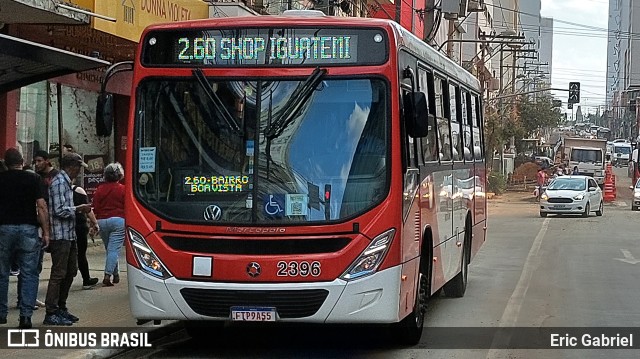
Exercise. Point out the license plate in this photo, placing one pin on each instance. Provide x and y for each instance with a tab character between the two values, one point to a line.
253	314
558	206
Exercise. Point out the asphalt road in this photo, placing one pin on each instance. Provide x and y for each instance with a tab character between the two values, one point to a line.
553	272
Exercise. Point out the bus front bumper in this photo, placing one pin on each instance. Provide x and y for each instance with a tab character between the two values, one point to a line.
373	299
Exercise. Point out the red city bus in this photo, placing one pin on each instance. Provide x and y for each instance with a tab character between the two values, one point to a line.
300	169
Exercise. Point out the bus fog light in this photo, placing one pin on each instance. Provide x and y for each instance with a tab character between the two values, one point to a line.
148	260
369	260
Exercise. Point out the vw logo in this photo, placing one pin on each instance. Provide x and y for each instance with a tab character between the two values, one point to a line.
212	213
253	269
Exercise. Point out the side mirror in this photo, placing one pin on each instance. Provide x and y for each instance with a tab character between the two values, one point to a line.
416	116
104	115
631	188
592	189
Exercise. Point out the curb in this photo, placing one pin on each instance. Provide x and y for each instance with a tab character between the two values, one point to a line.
155	333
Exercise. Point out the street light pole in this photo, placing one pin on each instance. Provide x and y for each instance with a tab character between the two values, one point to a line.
501	111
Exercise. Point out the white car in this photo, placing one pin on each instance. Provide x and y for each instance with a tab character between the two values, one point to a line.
635	204
572	195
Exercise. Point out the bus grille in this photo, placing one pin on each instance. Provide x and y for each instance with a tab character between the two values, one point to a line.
288	303
256	247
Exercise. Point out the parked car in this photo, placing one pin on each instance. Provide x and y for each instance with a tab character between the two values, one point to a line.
635	203
572	195
543	161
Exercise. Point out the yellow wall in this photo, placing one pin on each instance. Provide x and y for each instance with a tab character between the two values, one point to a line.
132	16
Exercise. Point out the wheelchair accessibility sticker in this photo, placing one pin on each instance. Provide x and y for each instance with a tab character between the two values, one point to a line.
274	205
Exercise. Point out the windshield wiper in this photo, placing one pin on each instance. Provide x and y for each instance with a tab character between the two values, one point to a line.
295	103
216	101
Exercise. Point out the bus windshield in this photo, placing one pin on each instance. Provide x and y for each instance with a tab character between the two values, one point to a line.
262	151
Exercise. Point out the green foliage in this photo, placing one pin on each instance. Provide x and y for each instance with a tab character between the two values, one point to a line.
538	113
497	183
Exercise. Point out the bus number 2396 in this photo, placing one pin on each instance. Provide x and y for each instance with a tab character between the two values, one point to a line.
295	269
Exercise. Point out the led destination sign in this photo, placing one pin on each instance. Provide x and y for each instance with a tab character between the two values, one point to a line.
265	47
208	184
330	48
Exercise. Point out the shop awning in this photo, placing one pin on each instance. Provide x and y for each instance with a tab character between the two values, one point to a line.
38	12
24	62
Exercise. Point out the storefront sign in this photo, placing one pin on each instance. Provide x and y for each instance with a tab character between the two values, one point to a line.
93	175
132	16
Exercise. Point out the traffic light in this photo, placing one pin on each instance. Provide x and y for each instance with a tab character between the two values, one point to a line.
574	92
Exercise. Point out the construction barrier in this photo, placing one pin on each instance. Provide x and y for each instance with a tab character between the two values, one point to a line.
609	185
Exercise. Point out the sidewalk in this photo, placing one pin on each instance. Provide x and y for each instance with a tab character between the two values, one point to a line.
98	307
514	196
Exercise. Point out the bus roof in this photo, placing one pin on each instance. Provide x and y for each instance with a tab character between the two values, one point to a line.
403	37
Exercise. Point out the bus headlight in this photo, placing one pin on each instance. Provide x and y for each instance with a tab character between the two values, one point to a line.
148	260
369	260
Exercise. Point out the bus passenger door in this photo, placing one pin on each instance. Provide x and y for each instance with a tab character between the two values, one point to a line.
443	178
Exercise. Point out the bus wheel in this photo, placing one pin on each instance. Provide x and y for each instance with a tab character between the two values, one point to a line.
410	328
458	285
206	330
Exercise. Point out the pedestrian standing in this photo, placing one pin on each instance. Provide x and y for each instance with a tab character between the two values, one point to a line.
20	192
85	223
108	203
63	245
541	179
46	171
575	171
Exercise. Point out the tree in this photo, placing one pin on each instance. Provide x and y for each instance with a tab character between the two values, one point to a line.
535	115
538	114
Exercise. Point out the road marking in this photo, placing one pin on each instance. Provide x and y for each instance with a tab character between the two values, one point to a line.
628	257
512	309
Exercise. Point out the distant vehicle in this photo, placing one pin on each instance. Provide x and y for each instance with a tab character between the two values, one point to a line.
542	161
635	203
572	195
623	140
604	133
587	154
621	153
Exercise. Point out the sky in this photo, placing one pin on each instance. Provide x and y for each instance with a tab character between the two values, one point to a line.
579	52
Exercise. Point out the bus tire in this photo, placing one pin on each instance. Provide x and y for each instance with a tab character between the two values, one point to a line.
457	286
206	330
411	327
409	330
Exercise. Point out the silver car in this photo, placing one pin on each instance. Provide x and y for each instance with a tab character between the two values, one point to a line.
572	195
635	203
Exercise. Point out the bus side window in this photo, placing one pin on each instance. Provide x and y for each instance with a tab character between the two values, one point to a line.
428	143
478	138
444	136
456	117
466	125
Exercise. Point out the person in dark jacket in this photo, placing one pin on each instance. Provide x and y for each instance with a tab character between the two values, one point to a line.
85	223
20	192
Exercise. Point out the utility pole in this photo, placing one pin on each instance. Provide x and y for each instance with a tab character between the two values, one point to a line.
501	110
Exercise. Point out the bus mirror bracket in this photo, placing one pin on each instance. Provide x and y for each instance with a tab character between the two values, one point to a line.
105	105
415	108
